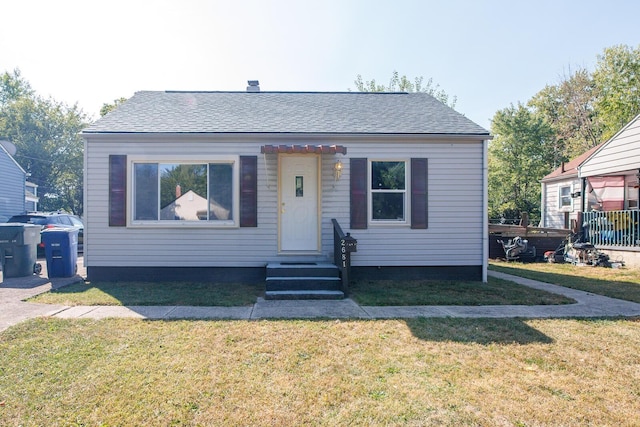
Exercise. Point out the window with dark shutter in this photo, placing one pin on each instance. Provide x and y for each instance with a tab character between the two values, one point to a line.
117	190
358	199
419	193
248	191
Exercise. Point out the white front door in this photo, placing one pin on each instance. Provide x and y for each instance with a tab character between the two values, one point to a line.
299	225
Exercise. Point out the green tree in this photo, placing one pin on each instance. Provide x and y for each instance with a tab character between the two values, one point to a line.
617	79
107	108
399	83
518	158
46	134
569	108
12	87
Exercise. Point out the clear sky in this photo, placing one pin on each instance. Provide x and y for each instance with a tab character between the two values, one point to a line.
487	53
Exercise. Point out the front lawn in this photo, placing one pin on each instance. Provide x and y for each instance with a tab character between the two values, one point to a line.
446	372
424	292
437	292
151	293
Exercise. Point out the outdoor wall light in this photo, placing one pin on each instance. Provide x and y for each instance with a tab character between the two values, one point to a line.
337	170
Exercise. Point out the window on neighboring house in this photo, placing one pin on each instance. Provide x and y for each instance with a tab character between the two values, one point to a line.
184	192
565	198
632	194
388	187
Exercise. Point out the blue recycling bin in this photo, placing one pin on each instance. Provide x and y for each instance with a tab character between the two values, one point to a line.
18	249
61	251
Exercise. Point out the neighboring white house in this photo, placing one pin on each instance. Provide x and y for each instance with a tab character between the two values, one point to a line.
402	172
611	182
561	194
617	162
12	183
31	197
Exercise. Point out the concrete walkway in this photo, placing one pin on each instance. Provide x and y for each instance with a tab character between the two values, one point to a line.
14	310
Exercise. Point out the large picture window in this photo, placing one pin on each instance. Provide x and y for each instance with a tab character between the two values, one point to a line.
388	191
182	191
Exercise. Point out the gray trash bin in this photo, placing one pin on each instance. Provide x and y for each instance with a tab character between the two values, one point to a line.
19	249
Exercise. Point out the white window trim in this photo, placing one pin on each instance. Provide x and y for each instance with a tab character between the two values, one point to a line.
407	203
560	196
232	223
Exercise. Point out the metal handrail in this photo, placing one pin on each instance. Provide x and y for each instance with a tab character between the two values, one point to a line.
612	228
343	245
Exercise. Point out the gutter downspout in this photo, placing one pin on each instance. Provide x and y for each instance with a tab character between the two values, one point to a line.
485	207
543	205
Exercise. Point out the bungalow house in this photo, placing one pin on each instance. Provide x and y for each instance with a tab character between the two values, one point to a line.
12	183
560	195
270	177
610	190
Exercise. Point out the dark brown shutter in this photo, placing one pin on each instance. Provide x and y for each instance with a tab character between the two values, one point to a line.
419	193
117	190
358	177
248	191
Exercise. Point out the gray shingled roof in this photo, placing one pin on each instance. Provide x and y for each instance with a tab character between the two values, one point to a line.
285	112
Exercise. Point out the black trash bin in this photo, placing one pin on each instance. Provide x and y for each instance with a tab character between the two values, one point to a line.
19	249
61	251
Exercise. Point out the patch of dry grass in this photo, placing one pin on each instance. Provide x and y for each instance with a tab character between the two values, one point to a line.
281	373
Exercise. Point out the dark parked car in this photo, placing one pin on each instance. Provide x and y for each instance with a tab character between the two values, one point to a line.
52	220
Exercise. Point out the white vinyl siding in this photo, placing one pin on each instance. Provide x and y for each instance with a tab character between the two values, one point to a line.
554	212
455	202
621	153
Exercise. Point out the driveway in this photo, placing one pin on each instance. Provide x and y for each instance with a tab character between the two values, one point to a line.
14	290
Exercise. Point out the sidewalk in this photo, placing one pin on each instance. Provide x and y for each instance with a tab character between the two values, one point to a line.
13	310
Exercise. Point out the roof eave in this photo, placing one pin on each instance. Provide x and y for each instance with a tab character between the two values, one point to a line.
466	136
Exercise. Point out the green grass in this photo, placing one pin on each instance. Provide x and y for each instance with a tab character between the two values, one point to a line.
621	283
150	293
433	292
495	292
446	372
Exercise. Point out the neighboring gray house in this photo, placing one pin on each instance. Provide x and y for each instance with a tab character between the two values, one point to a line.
12	179
402	172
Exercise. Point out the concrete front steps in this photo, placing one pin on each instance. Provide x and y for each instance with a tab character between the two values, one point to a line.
287	281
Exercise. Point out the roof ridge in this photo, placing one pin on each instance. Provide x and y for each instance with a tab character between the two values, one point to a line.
288	92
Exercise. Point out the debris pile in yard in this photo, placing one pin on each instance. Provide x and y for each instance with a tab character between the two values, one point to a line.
518	249
576	252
